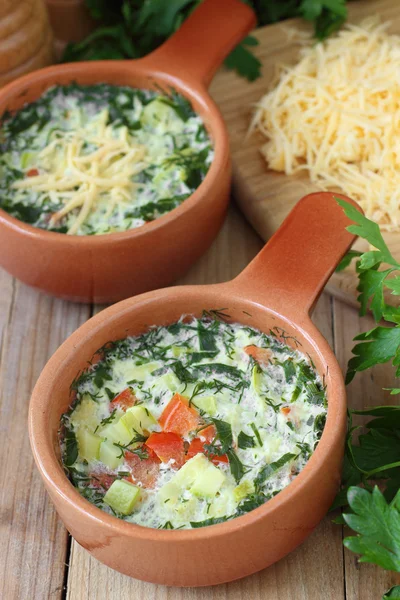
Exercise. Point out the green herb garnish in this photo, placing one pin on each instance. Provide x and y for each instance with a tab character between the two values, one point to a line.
245	441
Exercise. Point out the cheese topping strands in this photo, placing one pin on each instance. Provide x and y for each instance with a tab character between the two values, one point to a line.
108	168
97	159
336	115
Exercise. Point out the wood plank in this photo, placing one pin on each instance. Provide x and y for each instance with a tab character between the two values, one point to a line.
266	196
34	541
314	570
362	581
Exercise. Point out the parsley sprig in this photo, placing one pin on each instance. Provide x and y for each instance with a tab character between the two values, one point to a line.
374	512
377	524
378	271
129	29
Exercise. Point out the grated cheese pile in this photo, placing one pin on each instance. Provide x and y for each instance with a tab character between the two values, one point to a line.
336	115
78	179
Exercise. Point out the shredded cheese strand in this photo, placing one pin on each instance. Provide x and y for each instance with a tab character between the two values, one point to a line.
336	115
110	166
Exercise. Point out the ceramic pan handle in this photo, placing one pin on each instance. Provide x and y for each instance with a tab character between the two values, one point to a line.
207	36
292	269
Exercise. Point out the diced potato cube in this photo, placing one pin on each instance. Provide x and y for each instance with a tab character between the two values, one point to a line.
170	380
208	481
186	475
117	432
140	372
88	444
109	455
159	114
243	489
206	403
169	493
178	350
122	496
85	414
200	476
139	419
187	510
223	504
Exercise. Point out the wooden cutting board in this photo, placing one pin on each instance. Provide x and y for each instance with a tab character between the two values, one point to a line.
265	196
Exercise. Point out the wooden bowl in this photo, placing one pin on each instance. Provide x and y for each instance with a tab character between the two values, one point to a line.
106	268
276	291
26	40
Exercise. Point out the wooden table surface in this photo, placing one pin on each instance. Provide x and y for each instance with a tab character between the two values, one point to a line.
39	560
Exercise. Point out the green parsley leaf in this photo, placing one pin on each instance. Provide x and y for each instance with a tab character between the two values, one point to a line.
346	260
392	594
327	15
210	521
71	447
379	345
206	338
368	230
236	465
251	502
101	375
394	285
256	433
377	525
243	61
245	441
224	434
270	469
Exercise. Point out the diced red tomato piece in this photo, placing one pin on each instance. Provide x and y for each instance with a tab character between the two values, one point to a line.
261	355
102	480
144	470
285	410
196	446
167	446
124	400
178	417
32	173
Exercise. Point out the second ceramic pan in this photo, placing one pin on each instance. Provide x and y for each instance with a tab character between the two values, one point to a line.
276	292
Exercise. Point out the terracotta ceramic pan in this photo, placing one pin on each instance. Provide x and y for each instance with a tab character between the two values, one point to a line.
277	292
106	268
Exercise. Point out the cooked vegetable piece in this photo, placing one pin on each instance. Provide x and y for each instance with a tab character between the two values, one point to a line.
197	446
102	479
207	404
261	355
168	446
110	454
139	419
88	444
122	496
145	466
124	400
32	173
199	476
117	432
85	413
178	417
208	480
